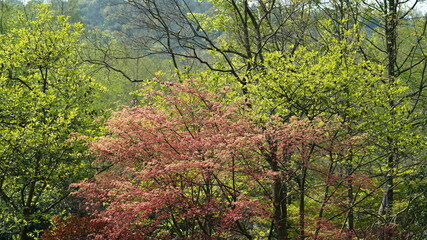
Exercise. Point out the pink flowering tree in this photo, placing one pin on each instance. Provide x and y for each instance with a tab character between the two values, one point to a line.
183	167
188	166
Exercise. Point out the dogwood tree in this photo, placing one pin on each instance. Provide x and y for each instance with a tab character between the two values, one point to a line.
191	166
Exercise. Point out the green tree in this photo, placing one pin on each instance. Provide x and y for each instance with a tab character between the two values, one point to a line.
6	12
46	96
397	41
337	84
67	8
219	35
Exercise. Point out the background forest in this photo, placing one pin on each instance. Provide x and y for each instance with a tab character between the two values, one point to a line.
213	119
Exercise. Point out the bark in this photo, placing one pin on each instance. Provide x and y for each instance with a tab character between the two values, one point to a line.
350	196
302	202
280	209
391	43
279	187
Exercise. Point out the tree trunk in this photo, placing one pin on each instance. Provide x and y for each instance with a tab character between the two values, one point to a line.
302	201
279	191
23	234
391	44
350	216
280	209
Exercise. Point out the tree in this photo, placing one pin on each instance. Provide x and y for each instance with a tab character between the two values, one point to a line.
222	36
6	11
181	168
336	84
67	8
362	71
73	228
391	22
190	166
45	99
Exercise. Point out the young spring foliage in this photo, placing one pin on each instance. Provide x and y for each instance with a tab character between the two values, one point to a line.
45	96
337	84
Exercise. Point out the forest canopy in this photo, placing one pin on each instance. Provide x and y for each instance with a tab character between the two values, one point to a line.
213	119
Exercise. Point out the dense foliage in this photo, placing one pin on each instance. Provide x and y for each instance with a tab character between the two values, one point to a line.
219	119
45	98
193	168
